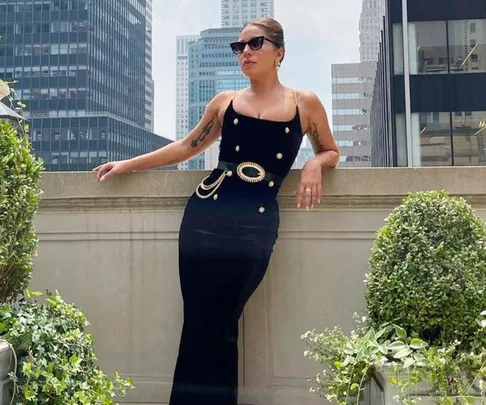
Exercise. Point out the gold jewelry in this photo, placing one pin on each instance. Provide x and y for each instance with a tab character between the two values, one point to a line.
243	176
214	186
277	64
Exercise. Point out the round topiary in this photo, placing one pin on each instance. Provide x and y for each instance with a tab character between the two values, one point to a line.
19	201
428	269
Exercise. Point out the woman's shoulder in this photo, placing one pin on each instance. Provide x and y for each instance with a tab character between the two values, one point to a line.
306	96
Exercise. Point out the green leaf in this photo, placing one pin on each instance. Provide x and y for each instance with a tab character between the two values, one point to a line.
397	346
402	353
418	344
408	362
402	333
393	380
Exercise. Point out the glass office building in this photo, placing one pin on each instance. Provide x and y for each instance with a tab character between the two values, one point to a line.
84	70
213	68
429	107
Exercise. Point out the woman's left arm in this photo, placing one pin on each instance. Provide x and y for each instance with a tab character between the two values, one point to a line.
325	149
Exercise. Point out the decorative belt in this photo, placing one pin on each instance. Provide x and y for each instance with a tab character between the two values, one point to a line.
250	172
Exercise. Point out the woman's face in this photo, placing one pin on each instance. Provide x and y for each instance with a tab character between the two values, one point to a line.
255	62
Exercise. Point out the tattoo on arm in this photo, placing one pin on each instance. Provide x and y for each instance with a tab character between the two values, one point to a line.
203	136
314	139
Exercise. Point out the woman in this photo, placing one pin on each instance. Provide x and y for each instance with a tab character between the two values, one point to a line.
231	221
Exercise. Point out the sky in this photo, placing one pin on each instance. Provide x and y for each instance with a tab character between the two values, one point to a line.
318	33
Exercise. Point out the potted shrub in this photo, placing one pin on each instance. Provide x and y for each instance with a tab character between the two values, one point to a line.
19	201
46	356
423	334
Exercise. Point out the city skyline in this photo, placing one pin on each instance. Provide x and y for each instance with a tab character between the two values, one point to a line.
82	108
307	64
235	13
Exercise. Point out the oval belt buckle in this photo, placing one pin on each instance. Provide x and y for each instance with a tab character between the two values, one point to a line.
250	179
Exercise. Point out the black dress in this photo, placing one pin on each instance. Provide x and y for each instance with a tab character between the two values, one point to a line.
227	235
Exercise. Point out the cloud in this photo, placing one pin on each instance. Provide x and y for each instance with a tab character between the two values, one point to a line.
318	33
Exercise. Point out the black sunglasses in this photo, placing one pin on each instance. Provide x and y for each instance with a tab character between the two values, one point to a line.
255	44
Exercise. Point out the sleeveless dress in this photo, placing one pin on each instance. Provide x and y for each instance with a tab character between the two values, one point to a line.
227	235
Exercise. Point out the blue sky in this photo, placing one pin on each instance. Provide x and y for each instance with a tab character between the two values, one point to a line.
317	33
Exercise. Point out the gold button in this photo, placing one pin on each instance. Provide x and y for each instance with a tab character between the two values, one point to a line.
235	121
215	197
262	210
229	174
271	184
287	130
237	148
279	156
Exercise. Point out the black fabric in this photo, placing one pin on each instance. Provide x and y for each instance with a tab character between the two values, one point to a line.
225	244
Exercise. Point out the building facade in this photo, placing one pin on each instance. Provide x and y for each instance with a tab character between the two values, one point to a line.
428	106
78	64
149	82
352	91
370	26
213	68
235	13
182	88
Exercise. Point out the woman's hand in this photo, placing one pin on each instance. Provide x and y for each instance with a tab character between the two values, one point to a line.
110	169
310	187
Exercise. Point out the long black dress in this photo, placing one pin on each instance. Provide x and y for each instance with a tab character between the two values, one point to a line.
227	235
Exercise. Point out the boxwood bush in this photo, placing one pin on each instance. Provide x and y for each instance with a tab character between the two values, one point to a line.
19	201
428	269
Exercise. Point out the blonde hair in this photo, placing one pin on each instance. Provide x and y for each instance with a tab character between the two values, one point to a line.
273	30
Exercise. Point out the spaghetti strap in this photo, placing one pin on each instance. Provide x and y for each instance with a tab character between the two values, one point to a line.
295	97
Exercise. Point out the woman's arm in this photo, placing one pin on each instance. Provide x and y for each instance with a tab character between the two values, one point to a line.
325	149
319	133
206	132
200	138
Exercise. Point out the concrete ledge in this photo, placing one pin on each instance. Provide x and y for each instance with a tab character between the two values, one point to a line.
342	188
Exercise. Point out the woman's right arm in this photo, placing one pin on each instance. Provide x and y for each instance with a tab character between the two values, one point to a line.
207	131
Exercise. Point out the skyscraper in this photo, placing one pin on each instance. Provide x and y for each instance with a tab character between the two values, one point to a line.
352	90
213	68
235	13
428	105
84	70
149	82
182	88
370	26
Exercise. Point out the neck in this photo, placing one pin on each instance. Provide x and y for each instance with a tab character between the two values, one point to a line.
261	87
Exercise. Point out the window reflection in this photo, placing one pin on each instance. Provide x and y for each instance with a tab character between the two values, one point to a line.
428	47
469	138
431	139
467	46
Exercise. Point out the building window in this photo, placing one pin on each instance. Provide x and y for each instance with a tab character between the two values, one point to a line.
428	47
431	139
350	111
469	138
428	50
467	46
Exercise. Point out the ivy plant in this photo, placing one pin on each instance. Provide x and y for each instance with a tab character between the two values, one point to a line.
56	361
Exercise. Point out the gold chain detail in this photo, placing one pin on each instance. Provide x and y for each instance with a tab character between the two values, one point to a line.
243	176
206	187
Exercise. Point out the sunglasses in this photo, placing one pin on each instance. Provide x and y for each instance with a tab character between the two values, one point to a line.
255	44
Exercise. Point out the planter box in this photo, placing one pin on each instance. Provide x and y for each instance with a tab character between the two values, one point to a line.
6	365
416	391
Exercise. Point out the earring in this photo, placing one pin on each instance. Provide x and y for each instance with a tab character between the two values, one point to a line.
277	64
